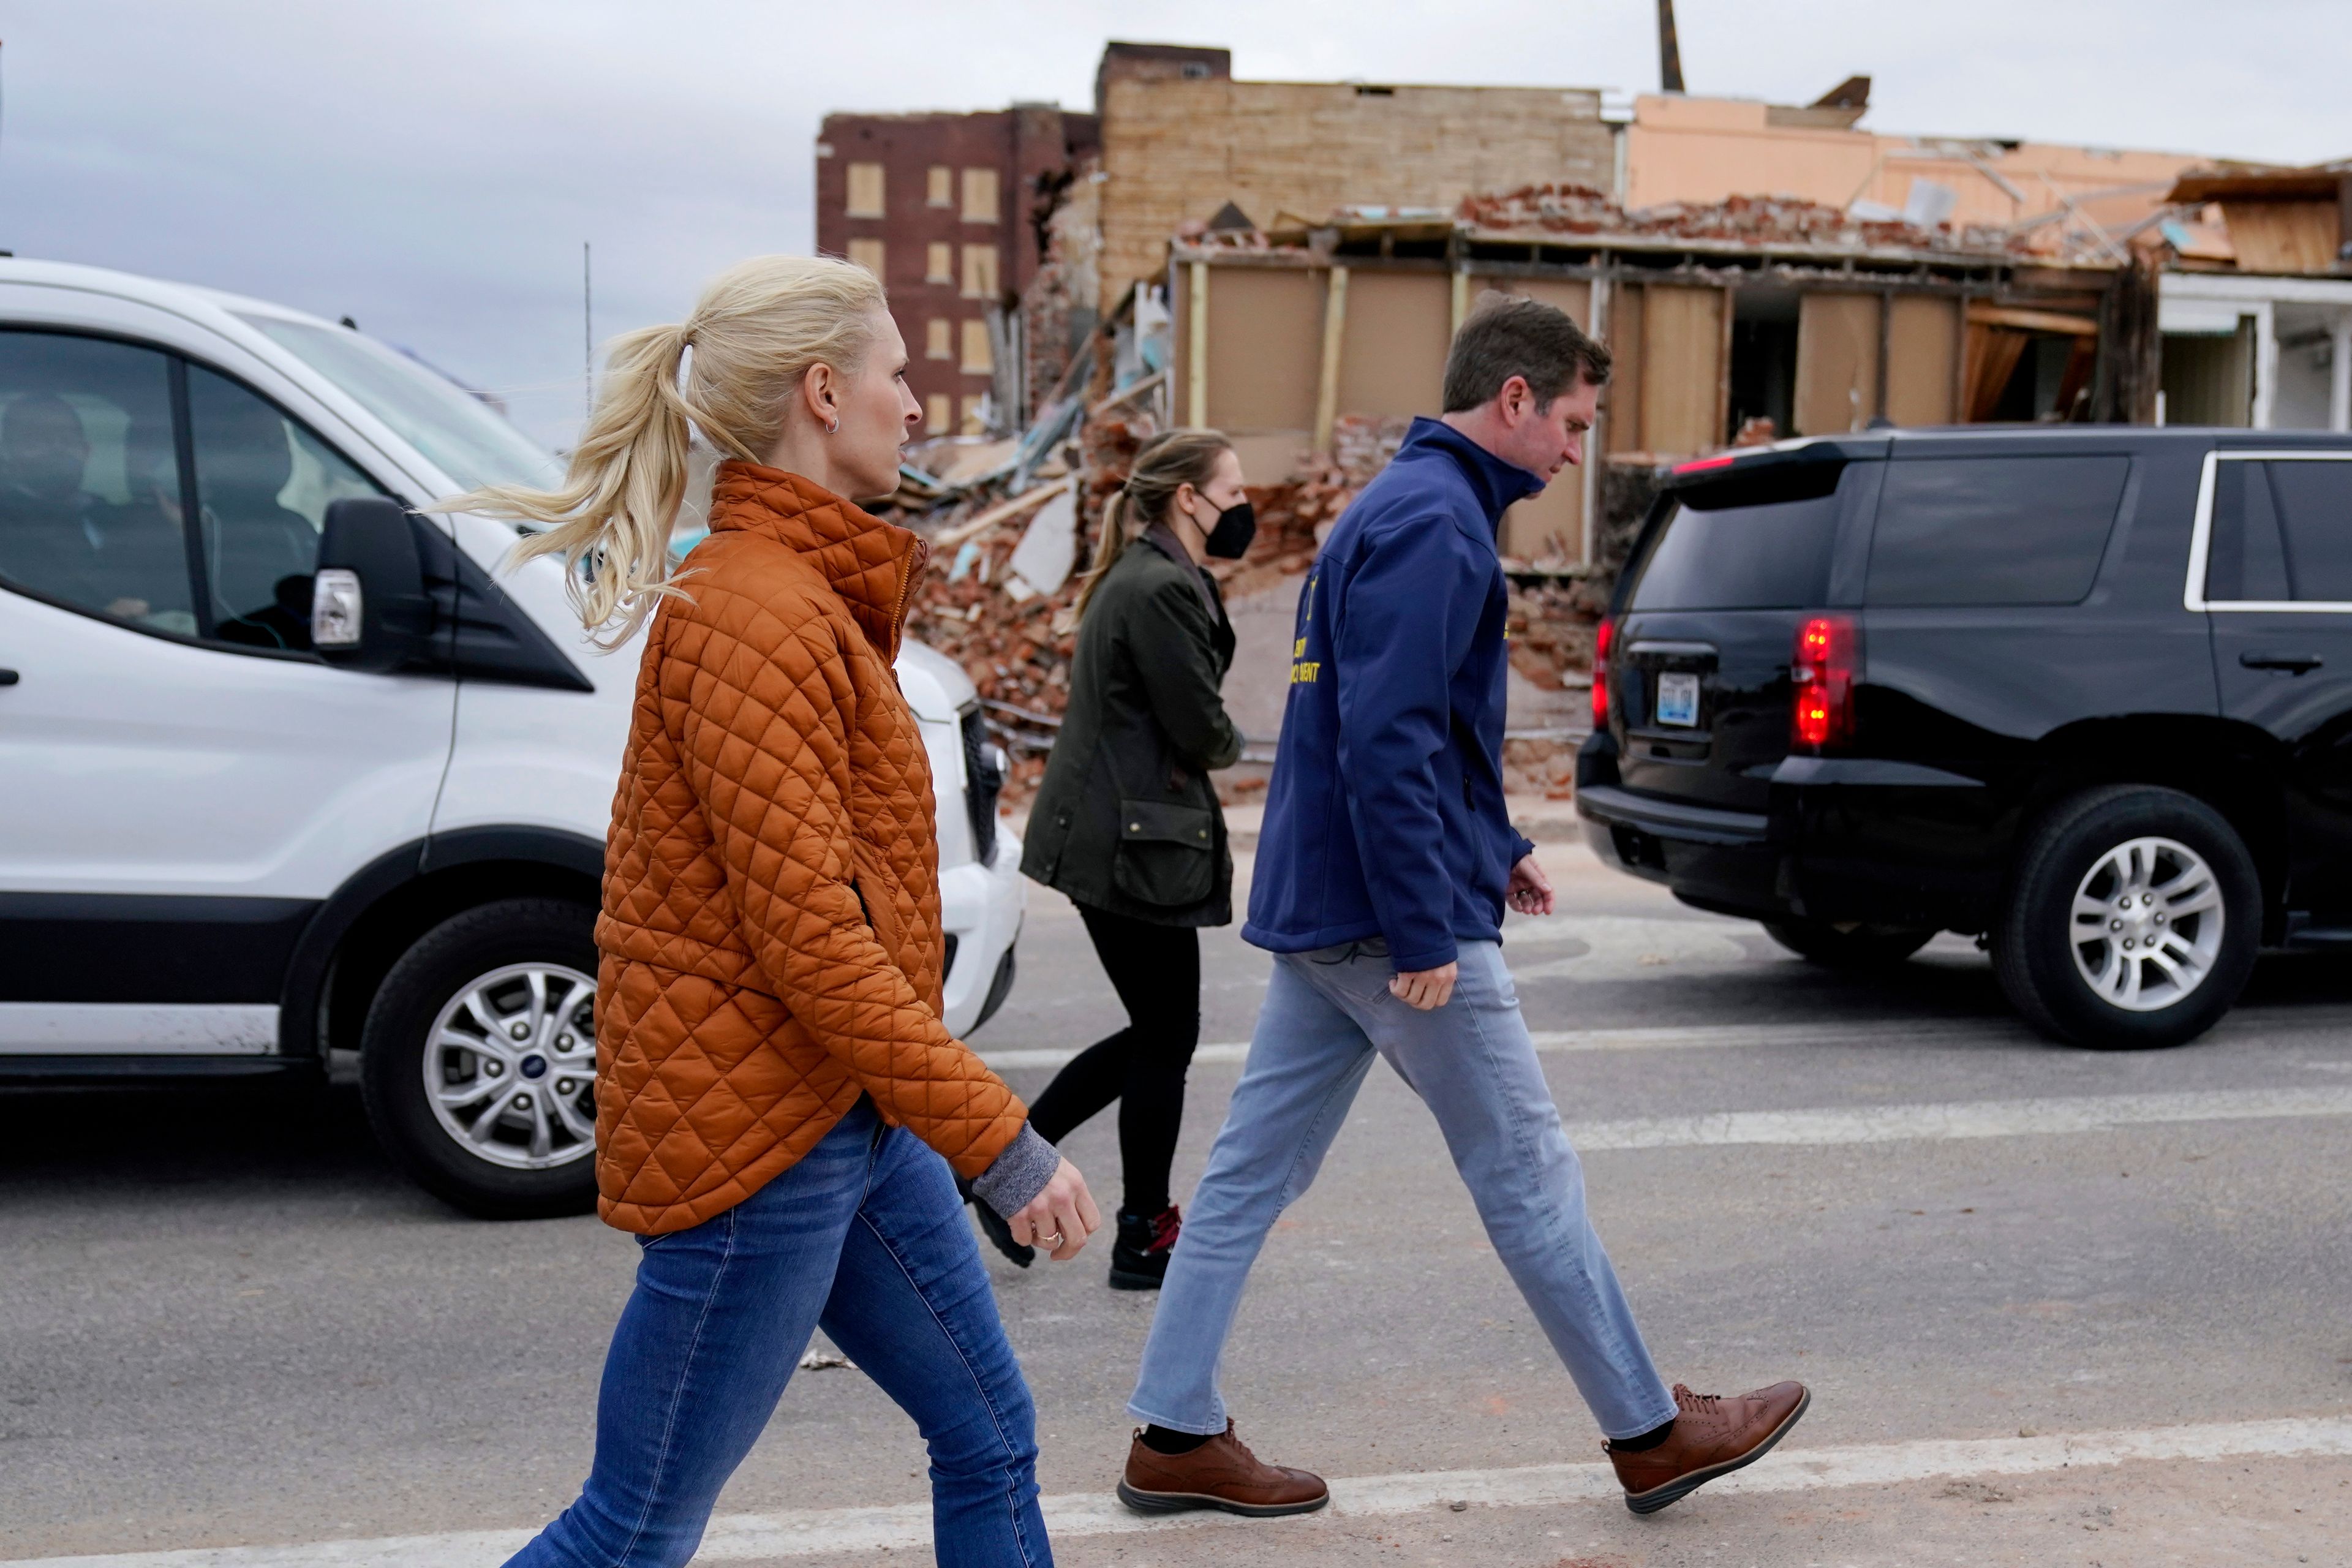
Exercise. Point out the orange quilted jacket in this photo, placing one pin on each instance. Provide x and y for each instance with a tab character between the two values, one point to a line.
770	939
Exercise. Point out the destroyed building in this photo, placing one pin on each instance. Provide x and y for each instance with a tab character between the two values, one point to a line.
1760	314
2256	312
951	212
1289	262
2051	197
1180	146
999	235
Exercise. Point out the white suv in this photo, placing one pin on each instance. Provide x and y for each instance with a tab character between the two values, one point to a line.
223	849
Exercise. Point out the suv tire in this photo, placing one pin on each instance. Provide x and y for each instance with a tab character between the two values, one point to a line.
1848	946
490	1013
2156	863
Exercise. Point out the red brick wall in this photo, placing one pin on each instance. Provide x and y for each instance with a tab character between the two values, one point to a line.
1020	145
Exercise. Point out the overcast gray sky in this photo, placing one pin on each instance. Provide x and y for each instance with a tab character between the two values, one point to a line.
431	168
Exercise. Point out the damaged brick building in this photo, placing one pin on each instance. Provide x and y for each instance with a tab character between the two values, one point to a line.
951	212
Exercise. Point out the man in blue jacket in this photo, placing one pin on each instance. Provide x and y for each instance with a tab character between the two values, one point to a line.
1385	862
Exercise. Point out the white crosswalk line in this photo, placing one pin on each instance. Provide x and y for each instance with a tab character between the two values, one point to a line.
1698	1037
1963	1119
807	1533
1739	1037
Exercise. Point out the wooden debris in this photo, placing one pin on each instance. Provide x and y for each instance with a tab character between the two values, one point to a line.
1003	512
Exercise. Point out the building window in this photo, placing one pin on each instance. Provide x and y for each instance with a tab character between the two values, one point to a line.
980	272
939	262
941	190
938	339
867	253
980	196
866	190
975	418
936	415
978	360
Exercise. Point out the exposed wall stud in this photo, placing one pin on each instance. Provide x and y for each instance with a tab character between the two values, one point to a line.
1591	476
1335	330
2339	377
1723	432
1886	331
1196	354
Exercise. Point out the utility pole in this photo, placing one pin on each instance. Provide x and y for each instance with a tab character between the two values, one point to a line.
587	337
588	331
1670	54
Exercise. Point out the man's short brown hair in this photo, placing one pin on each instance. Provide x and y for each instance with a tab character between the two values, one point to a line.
1506	336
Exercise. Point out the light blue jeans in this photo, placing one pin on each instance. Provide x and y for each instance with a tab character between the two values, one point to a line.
866	1238
1326	1014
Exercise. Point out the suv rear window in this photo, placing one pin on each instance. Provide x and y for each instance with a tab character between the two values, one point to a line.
1992	530
2281	529
1738	546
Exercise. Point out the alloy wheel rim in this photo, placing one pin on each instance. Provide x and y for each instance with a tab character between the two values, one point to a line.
2146	930
510	1067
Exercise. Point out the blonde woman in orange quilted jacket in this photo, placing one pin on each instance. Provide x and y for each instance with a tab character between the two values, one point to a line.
780	1117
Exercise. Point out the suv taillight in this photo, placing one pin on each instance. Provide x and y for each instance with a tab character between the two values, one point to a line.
1822	672
1602	638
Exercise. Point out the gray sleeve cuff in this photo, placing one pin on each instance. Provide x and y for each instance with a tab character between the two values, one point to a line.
1019	1174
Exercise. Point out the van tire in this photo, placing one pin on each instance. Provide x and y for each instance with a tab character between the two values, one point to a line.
440	967
1851	947
2035	955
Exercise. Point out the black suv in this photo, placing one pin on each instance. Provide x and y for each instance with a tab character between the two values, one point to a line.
2086	692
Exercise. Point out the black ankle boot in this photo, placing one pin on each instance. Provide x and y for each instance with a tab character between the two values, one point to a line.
1139	1261
992	1226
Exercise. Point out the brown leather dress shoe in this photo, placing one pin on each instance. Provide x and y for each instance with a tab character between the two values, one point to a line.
1713	1435
1221	1473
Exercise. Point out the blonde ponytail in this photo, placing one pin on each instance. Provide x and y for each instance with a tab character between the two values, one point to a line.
754	334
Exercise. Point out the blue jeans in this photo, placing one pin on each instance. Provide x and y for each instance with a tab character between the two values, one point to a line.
1326	1014
866	1237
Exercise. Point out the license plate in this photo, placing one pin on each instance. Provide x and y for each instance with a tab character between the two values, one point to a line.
1677	699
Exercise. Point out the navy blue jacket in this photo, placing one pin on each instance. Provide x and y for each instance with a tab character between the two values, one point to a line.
1385	816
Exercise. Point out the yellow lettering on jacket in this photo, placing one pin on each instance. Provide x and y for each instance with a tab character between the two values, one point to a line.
1303	671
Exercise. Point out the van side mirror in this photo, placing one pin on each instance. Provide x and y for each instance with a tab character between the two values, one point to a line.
368	606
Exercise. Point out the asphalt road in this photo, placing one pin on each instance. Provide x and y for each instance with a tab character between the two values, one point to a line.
224	1322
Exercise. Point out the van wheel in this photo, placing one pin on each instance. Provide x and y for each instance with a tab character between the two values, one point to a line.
2132	919
479	1060
1848	944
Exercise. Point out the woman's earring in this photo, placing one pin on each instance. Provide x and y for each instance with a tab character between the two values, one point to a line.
833	426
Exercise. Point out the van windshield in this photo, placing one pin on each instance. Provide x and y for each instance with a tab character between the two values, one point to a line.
462	436
1759	552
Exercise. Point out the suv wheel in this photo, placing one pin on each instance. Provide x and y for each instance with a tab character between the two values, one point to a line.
1847	945
2132	919
479	1060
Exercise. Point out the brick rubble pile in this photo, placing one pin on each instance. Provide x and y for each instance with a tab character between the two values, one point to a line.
1018	651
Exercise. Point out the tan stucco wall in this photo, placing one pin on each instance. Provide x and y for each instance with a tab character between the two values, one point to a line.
1703	150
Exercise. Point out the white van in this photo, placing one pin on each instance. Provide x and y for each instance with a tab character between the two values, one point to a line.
226	849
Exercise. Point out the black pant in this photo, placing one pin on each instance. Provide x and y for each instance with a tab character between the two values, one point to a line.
1156	969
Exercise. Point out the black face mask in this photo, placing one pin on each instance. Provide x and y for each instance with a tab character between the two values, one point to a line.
1235	526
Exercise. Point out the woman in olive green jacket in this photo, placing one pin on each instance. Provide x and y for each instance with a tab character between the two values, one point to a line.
1126	822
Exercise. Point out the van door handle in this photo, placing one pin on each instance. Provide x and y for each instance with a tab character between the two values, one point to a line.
8	678
2293	663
